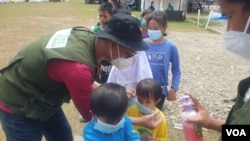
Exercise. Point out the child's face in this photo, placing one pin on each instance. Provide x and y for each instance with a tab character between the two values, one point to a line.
154	25
145	17
148	102
104	17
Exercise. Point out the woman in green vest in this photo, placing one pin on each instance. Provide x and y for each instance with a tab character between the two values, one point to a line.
237	41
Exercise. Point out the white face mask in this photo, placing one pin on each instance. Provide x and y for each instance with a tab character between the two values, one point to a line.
238	42
121	63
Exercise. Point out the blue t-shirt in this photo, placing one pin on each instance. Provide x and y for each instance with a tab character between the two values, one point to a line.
160	57
126	133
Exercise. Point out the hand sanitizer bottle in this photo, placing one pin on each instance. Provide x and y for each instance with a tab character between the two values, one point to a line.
192	132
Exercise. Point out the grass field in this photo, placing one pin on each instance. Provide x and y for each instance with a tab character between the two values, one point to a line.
22	23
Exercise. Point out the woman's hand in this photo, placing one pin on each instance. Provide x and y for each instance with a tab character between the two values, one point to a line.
203	118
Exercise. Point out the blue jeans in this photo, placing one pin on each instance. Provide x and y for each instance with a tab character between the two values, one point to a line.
19	128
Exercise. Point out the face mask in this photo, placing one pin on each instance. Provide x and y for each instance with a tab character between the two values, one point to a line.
108	128
145	110
238	42
144	23
154	34
121	63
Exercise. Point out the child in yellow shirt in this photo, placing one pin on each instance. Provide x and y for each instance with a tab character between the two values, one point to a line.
148	93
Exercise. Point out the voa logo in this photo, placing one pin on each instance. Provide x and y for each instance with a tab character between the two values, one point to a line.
236	132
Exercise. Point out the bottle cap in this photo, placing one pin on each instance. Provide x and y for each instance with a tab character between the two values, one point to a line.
187	105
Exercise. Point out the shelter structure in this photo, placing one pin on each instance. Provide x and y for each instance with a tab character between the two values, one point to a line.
179	12
216	22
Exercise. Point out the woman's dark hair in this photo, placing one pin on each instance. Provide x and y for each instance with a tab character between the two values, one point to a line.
106	6
245	2
147	88
160	17
110	100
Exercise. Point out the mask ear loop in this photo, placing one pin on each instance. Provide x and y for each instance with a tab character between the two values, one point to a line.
247	25
111	55
118	46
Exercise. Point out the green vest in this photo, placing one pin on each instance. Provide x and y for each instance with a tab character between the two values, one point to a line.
24	84
239	114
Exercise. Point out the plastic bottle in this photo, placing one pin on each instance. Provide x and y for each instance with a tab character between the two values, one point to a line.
192	132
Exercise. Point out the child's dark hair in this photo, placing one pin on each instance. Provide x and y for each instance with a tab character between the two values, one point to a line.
147	88
160	17
110	100
120	7
145	12
106	6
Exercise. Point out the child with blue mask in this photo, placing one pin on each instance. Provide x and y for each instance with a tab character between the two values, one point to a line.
108	106
144	18
162	53
148	93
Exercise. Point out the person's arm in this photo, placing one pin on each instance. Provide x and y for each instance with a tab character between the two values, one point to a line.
216	124
176	73
95	85
175	68
78	79
150	121
203	118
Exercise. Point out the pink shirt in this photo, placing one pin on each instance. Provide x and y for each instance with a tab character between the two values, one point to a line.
78	79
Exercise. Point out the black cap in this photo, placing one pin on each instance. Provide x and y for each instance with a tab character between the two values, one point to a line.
125	30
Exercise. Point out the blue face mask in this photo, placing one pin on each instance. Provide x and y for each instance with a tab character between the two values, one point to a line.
144	23
154	34
145	110
108	128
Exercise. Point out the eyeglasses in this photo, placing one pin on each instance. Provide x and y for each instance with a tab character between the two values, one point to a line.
130	54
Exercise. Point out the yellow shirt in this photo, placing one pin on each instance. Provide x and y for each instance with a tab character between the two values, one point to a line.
160	132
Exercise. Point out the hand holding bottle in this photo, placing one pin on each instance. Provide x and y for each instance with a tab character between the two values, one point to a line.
203	117
192	131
